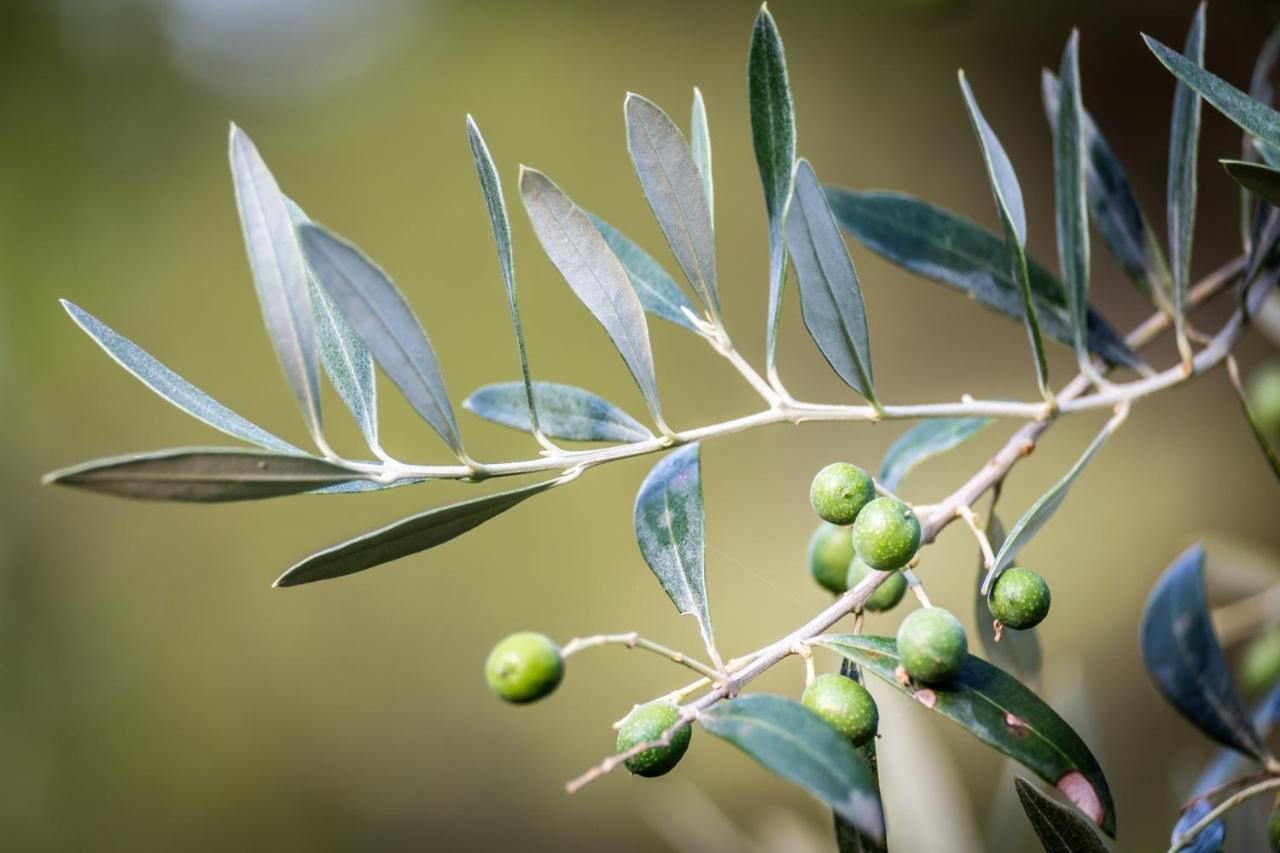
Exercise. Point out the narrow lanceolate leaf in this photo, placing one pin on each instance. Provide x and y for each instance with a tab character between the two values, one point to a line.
1262	90
279	274
773	133
1185	661
830	296
491	186
1208	840
563	412
1255	424
927	439
171	386
947	248
345	358
379	312
658	292
1059	829
1070	191
998	710
1114	207
1184	145
700	143
1018	652
1013	218
407	536
669	528
1264	233
1255	177
790	740
1038	515
204	475
594	273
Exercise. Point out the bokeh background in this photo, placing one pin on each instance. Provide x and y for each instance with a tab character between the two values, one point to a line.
156	692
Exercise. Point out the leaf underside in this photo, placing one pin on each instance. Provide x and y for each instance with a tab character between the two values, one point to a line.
658	292
1060	829
564	411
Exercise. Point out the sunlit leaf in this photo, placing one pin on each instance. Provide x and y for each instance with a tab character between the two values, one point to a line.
1184	145
700	143
564	412
658	292
798	745
1069	193
1059	829
925	440
1018	652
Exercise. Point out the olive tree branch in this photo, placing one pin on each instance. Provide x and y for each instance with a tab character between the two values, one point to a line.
632	640
1219	810
975	526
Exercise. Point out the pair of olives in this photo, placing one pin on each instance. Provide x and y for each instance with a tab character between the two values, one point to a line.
885	532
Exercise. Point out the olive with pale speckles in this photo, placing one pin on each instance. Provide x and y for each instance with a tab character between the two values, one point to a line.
1019	598
840	491
649	723
830	553
886	534
932	645
524	667
886	596
844	704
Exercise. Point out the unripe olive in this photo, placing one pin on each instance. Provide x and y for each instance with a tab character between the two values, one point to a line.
830	553
840	491
1019	598
844	704
1260	667
932	645
1264	397
647	723
886	596
886	534
524	667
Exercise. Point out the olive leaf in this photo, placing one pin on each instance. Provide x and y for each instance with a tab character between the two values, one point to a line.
669	527
379	312
204	475
1255	177
1262	90
927	439
1018	652
849	839
1013	219
1002	713
830	296
1184	144
1264	233
1184	659
1070	191
773	135
700	143
788	739
1255	424
658	292
1209	839
1059	829
565	412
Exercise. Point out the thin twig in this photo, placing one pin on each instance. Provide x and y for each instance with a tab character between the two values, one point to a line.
975	525
1219	810
917	588
632	640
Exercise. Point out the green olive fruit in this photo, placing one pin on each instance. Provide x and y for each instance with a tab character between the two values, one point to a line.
1019	598
649	723
886	534
524	667
844	704
830	553
840	491
886	596
932	645
1264	397
1260	667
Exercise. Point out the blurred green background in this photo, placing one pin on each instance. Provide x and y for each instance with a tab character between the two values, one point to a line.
156	692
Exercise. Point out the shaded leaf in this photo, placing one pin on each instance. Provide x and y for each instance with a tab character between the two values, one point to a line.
564	412
700	143
203	475
594	273
796	744
1184	145
1209	839
669	527
382	316
407	536
676	193
849	839
1059	829
1069	194
1259	432
1002	713
1185	661
949	249
1263	237
1262	90
1018	652
656	289
1255	177
830	297
925	440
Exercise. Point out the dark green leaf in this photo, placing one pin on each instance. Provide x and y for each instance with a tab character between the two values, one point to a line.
407	536
1185	661
564	412
849	839
1262	90
1184	145
830	297
1209	839
1059	829
1018	652
1263	237
204	475
773	133
1070	192
700	142
796	744
998	710
1261	180
925	440
379	312
657	290
669	528
674	187
944	247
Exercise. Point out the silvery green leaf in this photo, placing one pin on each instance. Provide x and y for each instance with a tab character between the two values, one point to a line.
379	312
407	536
773	134
830	297
656	289
204	475
1069	183
669	527
788	739
1013	218
1184	144
491	186
925	440
594	273
345	358
675	190
1018	652
1059	828
700	143
279	274
564	412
